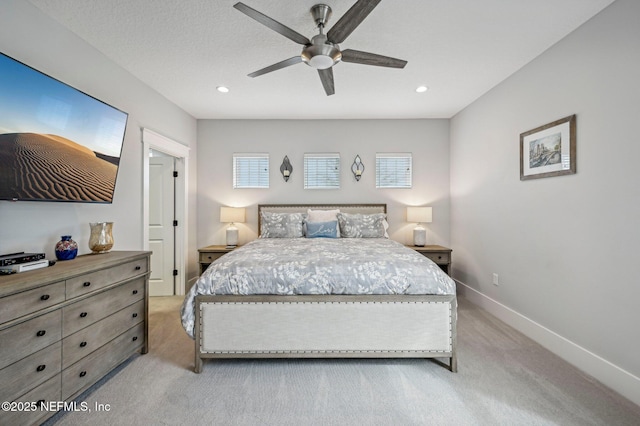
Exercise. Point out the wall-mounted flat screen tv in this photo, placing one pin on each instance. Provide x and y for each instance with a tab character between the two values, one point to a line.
56	142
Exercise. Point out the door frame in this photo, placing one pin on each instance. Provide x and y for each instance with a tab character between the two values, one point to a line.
153	140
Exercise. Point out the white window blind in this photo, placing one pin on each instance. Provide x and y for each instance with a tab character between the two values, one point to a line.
322	171
251	170
393	170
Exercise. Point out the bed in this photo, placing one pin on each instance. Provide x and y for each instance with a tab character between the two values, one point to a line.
288	295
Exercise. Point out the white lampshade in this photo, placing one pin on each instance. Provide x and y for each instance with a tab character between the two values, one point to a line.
419	214
232	214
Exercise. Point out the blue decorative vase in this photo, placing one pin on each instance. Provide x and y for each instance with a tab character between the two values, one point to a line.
66	248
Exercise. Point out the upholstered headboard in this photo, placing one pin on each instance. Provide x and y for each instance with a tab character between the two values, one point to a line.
302	208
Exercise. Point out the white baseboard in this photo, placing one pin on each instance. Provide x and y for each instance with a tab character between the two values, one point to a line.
621	381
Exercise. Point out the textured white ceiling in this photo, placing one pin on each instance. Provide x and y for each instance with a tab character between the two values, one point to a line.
458	48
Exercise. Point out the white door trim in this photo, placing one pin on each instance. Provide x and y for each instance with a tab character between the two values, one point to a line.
153	140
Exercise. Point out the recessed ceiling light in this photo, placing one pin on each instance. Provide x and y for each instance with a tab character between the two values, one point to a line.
222	89
422	89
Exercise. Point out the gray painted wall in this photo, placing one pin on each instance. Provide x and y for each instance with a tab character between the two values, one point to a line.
428	140
564	247
33	38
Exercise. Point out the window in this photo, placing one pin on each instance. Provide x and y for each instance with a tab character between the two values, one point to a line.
393	170
250	171
322	171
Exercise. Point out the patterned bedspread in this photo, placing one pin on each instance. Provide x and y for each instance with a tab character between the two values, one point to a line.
294	266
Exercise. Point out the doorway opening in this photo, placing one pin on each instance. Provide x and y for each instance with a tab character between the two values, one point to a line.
165	170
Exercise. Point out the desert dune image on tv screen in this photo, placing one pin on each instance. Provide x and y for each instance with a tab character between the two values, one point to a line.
50	167
56	142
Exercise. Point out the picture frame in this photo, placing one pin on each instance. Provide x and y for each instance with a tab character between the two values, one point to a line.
549	150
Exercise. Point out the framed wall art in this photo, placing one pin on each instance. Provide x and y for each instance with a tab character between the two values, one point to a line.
549	150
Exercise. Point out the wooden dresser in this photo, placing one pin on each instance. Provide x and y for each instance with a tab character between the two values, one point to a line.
64	327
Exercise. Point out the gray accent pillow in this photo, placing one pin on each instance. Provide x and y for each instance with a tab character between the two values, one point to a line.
281	225
361	225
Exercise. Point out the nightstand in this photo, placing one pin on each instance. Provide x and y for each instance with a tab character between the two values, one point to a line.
209	254
440	255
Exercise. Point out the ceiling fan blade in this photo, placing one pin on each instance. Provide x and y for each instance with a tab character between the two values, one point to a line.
367	58
279	65
273	24
326	76
350	20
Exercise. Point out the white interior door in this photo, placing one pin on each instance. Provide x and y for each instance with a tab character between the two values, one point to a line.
161	229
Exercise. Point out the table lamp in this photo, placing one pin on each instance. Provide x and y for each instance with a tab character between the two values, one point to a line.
232	215
419	215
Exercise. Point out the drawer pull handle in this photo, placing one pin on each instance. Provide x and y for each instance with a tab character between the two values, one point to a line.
135	315
44	297
83	373
41	333
439	257
83	344
138	268
41	368
135	291
209	257
83	314
86	283
134	338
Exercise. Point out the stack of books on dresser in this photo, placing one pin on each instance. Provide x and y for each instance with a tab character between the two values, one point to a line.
22	262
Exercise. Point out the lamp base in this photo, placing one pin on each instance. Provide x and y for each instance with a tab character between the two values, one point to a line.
232	236
419	236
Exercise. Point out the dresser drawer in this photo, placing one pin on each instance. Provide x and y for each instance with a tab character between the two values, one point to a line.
27	302
439	258
22	376
85	312
28	337
96	280
87	340
48	391
88	370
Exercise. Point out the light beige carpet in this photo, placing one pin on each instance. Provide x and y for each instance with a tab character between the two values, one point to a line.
504	378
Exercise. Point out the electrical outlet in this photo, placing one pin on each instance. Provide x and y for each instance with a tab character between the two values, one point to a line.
496	279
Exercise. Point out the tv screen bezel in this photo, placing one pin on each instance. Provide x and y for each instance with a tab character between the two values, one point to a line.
125	117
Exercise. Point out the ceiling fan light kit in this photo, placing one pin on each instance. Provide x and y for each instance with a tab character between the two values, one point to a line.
322	51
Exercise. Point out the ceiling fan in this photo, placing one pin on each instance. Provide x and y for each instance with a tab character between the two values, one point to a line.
322	51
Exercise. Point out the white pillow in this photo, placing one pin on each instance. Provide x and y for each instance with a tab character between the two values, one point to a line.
322	215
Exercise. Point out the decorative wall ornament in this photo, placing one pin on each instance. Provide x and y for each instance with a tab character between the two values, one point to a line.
286	169
357	168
